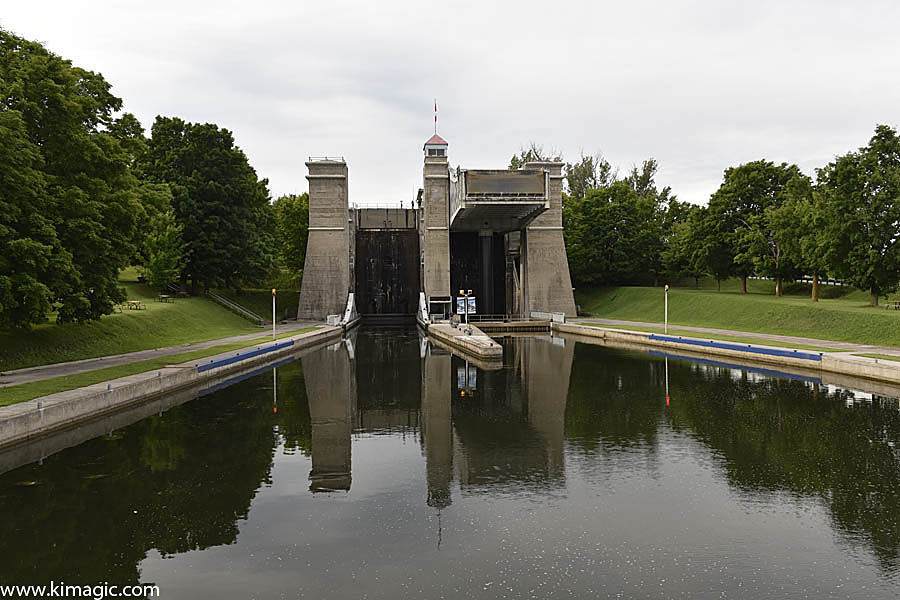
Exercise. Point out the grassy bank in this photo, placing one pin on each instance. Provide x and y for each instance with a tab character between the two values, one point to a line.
36	389
844	315
185	320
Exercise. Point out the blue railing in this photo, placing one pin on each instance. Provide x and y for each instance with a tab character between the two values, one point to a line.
230	360
739	347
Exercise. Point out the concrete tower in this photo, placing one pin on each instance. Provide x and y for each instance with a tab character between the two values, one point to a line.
436	224
326	272
546	281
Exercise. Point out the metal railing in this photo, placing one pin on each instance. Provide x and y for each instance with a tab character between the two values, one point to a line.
235	307
326	159
493	318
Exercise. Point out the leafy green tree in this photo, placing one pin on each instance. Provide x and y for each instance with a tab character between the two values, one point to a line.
736	217
683	254
616	232
589	172
862	207
68	196
292	230
222	206
534	153
613	235
715	249
770	239
817	251
165	250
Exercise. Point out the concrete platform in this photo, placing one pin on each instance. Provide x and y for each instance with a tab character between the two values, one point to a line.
476	344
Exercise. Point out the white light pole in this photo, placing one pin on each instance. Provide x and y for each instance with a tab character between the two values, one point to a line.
273	314
666	326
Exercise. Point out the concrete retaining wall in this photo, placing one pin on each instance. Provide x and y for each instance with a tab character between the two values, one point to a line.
26	420
832	362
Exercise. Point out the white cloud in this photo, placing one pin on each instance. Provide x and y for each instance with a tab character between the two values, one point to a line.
700	86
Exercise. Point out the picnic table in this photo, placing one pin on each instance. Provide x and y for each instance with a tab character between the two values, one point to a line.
134	304
165	298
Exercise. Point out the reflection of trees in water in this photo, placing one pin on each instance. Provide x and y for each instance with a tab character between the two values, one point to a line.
786	435
174	483
774	435
614	400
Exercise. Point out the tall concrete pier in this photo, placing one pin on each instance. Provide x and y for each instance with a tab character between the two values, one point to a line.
546	280
326	271
436	223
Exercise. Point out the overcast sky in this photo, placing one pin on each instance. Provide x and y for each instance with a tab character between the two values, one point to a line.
699	86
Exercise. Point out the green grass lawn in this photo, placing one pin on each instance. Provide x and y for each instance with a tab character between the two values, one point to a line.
185	320
713	336
36	389
844	315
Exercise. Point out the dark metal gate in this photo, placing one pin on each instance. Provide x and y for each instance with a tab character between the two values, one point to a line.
387	272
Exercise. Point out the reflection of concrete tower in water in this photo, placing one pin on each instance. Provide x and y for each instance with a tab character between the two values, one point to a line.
437	427
546	368
329	391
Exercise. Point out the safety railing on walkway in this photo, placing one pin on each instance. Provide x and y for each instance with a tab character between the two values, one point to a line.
237	308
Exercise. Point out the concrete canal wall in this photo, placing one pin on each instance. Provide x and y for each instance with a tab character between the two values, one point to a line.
26	420
833	362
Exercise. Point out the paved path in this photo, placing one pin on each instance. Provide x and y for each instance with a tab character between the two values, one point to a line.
774	338
30	374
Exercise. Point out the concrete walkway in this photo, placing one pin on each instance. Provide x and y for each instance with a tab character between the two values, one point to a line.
838	346
29	374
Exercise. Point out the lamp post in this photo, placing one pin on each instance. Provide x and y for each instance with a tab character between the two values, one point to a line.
666	325
273	314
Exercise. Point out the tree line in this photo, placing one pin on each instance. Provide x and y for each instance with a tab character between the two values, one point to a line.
84	193
765	219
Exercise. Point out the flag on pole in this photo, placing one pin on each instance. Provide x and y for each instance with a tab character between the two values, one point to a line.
435	116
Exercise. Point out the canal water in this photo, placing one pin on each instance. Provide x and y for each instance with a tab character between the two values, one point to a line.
386	467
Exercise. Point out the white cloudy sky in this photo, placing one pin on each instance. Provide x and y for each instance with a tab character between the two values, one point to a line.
698	85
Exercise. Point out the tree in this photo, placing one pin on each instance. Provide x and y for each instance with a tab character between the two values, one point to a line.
292	230
816	248
590	172
770	239
683	254
613	235
165	250
862	207
222	206
534	153
736	217
68	197
715	249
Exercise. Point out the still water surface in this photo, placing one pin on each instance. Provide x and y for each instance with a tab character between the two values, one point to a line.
392	469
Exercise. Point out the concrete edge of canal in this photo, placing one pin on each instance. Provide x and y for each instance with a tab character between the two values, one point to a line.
41	416
833	362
